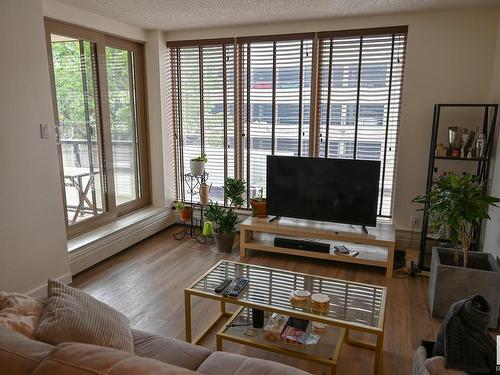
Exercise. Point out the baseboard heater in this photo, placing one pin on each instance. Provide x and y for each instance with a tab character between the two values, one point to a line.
289	243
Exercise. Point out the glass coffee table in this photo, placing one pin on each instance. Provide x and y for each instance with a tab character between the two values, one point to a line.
353	307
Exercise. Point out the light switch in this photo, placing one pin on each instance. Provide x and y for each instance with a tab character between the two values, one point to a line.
44	131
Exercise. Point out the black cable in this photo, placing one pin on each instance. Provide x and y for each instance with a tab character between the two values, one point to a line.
239	325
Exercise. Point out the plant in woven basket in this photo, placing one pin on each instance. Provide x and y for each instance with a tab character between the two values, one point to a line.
457	205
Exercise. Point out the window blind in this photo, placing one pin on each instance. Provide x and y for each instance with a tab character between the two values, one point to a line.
330	94
203	101
276	98
360	76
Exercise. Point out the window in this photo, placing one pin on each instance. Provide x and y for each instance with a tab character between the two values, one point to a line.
359	99
273	100
203	77
99	105
329	94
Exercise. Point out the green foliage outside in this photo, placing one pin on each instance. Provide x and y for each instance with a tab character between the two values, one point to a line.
69	74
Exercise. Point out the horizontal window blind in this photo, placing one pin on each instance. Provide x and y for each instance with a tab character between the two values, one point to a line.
203	101
276	98
273	94
359	100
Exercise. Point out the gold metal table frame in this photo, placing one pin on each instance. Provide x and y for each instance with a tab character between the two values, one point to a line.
344	325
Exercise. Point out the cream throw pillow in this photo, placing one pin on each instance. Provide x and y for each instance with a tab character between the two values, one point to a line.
71	315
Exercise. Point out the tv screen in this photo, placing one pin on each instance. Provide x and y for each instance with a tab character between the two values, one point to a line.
336	190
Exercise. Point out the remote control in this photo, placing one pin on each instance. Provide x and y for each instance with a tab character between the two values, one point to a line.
220	288
235	288
340	249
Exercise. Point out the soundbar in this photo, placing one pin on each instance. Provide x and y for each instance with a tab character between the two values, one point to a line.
290	243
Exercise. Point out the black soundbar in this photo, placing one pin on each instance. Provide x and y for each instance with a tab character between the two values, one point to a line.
290	243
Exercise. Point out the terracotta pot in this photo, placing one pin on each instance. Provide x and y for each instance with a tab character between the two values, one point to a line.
197	167
224	241
185	213
259	207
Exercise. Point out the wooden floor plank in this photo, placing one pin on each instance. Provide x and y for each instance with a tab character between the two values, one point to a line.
146	282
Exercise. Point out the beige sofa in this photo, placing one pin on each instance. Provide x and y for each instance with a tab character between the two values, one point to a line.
154	355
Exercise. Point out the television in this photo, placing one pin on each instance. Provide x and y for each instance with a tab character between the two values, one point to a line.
322	189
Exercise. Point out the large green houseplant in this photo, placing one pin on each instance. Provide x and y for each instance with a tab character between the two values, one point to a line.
225	219
457	205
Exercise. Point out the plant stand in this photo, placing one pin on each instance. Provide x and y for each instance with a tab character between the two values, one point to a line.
194	227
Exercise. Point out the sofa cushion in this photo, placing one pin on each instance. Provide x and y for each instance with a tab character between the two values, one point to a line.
222	363
85	359
20	313
169	350
18	354
71	315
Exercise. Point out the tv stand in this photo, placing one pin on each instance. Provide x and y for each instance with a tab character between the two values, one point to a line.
375	248
363	228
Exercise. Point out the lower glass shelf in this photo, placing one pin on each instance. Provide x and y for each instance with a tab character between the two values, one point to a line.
326	352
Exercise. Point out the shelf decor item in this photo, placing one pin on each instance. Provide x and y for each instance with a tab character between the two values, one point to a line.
458	205
454	136
224	220
259	205
197	165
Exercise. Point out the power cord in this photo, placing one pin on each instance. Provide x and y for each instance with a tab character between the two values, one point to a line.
239	325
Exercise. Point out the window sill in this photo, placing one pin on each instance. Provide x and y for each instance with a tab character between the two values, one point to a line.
119	224
98	244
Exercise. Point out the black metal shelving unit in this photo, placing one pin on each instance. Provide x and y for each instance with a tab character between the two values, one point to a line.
482	170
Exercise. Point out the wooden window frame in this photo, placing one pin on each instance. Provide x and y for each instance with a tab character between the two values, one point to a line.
102	41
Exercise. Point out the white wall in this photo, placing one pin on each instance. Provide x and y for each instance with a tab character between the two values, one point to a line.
492	234
161	137
32	229
449	59
63	12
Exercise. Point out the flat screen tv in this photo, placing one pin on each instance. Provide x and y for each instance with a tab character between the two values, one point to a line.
335	190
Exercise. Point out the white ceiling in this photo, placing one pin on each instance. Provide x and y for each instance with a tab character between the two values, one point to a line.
189	14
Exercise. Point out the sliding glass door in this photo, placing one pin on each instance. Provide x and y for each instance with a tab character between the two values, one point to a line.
77	98
98	96
120	65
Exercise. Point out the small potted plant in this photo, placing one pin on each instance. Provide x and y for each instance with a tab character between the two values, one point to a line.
197	165
225	219
185	212
457	206
259	205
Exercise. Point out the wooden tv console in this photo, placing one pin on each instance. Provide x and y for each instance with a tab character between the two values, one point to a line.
375	248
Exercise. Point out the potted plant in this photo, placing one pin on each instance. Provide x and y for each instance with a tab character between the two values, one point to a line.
185	212
225	219
457	206
197	165
259	204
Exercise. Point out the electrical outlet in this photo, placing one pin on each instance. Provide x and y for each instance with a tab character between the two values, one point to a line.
415	222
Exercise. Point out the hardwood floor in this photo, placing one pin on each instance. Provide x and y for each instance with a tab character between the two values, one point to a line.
146	283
